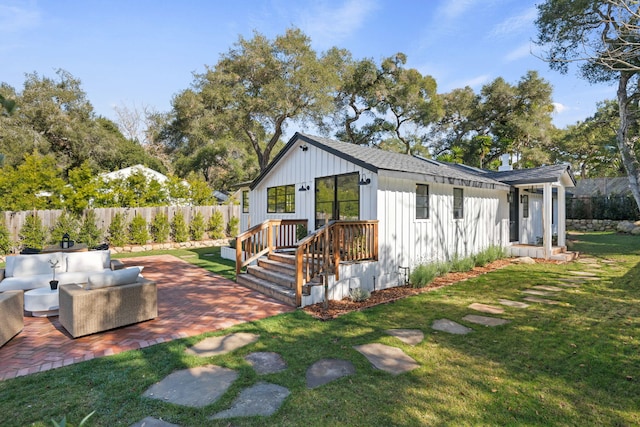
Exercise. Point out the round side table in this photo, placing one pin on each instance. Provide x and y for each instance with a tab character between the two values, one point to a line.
41	302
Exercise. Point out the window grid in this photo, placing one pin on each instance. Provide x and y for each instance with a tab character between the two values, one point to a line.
422	201
281	199
458	203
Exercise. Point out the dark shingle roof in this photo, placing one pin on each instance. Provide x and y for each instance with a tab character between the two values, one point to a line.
540	174
377	160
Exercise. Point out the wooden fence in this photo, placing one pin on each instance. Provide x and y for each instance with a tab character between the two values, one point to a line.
15	220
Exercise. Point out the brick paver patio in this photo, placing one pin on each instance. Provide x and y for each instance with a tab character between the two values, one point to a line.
190	301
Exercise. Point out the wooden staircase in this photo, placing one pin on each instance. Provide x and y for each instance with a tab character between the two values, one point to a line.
273	275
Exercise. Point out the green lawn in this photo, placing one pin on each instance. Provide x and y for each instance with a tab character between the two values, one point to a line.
577	363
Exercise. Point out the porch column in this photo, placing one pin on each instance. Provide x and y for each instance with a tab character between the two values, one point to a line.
562	217
547	215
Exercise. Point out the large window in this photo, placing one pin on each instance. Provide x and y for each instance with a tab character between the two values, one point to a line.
422	201
281	199
458	203
245	201
337	197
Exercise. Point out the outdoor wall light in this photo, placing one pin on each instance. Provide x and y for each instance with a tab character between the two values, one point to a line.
304	147
364	181
304	188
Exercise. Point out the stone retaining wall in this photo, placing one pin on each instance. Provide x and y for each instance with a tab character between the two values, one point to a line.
592	225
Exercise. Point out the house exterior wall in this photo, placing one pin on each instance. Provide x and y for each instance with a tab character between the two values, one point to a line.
301	168
531	229
406	241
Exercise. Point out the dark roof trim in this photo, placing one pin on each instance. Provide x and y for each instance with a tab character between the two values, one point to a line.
292	142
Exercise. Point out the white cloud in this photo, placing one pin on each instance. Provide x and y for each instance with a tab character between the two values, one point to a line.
559	108
327	25
14	18
520	52
454	8
474	82
515	24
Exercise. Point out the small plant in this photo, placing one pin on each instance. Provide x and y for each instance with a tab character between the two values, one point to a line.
89	233
138	230
359	294
54	264
6	245
118	231
179	230
160	228
33	234
492	253
196	228
67	223
216	225
63	421
232	226
423	274
460	265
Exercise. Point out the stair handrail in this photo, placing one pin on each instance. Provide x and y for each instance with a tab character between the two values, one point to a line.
264	238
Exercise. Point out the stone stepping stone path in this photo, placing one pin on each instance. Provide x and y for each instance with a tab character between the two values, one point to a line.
194	387
216	346
485	320
583	273
537	292
542	300
266	362
326	370
548	288
446	325
484	308
569	285
261	399
514	304
407	336
153	422
386	358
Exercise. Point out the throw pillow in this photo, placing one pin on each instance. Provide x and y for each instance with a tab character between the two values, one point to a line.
112	278
30	265
8	267
84	261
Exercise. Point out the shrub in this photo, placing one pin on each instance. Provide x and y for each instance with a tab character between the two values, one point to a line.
359	294
216	225
33	234
232	226
67	223
179	230
138	230
89	233
492	253
6	245
423	274
160	228
196	228
118	235
460	265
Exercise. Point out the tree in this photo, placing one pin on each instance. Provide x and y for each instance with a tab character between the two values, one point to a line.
604	37
252	93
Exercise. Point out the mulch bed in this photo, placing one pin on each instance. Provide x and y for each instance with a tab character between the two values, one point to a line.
384	296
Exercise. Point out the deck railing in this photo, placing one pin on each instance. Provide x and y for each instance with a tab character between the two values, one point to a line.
319	253
273	234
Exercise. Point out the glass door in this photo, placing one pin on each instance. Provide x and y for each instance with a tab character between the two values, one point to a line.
337	197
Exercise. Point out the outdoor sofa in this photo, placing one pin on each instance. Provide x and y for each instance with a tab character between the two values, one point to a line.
25	272
11	312
108	300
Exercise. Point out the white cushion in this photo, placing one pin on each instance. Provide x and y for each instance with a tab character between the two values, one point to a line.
112	278
8	266
29	265
84	261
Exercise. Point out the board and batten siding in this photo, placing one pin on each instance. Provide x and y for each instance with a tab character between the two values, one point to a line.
300	168
531	228
406	241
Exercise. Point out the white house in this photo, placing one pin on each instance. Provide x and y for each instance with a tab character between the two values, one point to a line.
403	210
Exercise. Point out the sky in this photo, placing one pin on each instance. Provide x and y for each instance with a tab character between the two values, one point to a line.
140	53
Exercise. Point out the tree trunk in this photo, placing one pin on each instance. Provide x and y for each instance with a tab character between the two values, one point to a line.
625	145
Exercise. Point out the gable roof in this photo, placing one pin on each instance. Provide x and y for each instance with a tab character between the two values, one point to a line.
377	160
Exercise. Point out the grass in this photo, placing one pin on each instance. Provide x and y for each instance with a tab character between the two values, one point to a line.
573	364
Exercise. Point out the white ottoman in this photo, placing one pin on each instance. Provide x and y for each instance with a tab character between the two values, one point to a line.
41	302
